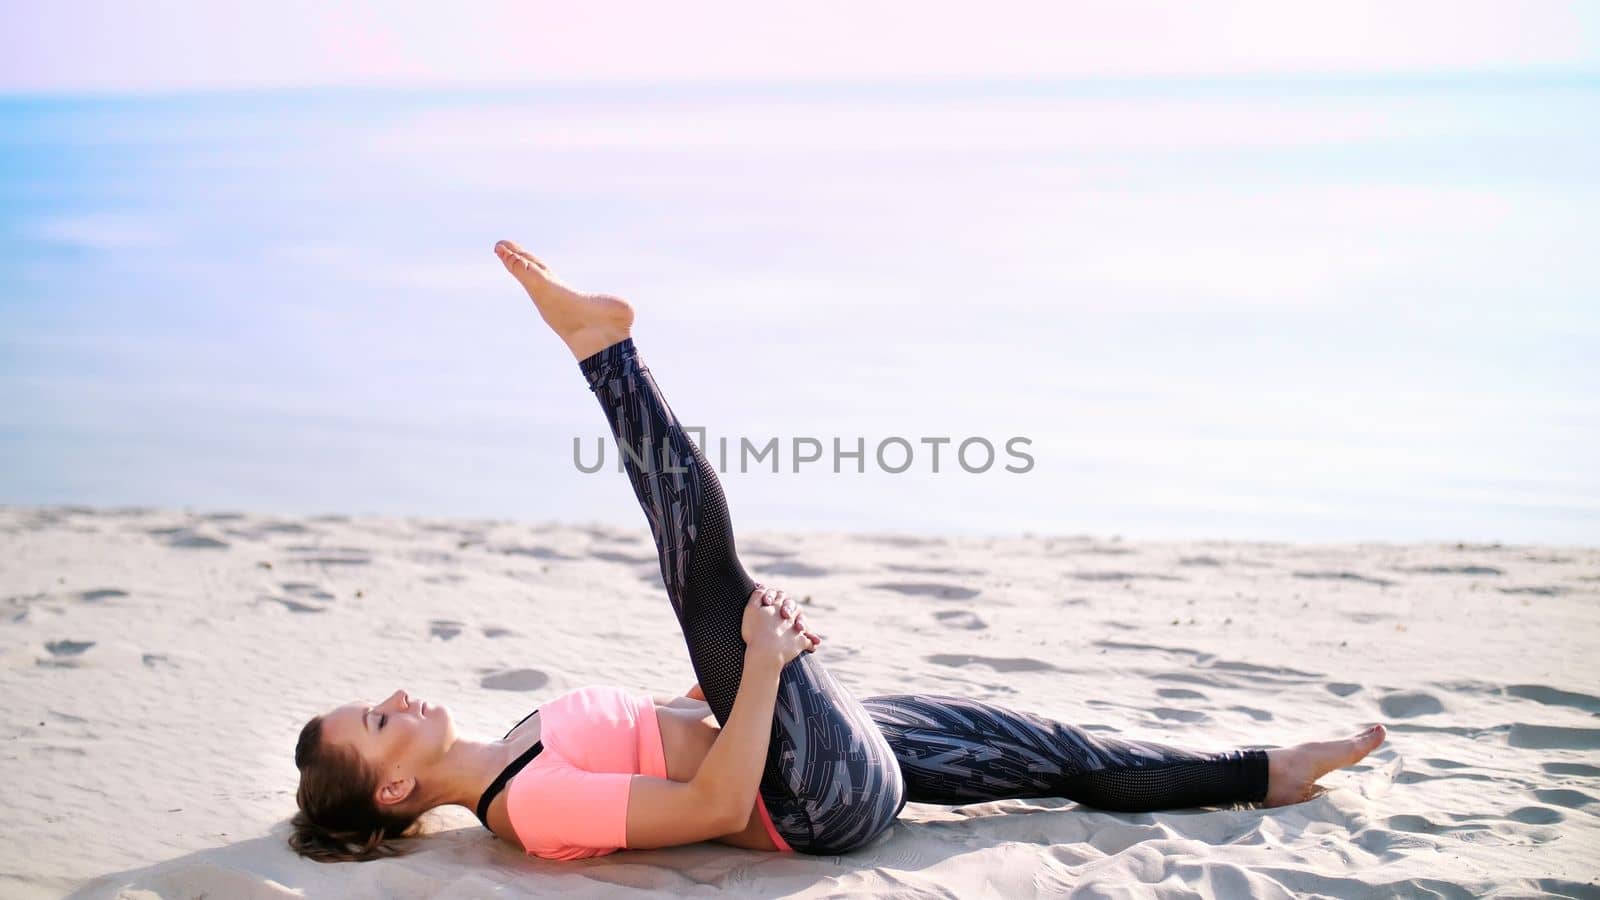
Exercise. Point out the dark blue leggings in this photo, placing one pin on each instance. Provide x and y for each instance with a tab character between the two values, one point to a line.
839	770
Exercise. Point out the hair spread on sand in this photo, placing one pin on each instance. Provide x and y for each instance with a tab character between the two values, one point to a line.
339	821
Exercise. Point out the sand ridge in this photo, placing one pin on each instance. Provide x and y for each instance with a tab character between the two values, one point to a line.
156	666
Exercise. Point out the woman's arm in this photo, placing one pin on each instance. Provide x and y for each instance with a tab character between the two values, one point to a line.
718	800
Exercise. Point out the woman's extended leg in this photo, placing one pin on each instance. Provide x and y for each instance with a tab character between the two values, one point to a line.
955	750
831	782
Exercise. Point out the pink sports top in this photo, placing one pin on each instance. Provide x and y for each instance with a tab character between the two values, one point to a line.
569	800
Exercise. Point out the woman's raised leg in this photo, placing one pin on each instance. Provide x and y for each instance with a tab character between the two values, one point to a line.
831	783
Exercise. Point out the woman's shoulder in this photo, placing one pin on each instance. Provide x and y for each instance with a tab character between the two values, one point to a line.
558	810
596	697
594	709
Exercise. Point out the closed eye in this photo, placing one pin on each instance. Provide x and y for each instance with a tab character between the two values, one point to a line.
382	720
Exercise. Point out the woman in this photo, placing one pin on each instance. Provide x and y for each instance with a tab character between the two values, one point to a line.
767	751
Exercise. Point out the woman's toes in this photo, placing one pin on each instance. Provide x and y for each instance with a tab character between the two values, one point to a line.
1339	754
1364	743
523	267
509	250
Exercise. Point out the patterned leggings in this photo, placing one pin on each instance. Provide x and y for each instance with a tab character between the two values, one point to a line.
839	770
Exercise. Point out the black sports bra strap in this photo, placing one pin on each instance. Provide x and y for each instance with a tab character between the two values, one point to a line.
508	772
519	723
505	775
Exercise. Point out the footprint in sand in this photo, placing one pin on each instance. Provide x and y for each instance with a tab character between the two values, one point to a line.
1179	694
1199	561
188	539
1537	591
1408	704
1367	618
1412	824
1260	715
1341	688
1417	777
155	659
515	680
631	559
496	632
960	618
928	589
532	552
444	629
787	568
900	540
1122	576
1179	715
1550	696
294	606
1255	672
999	664
1553	737
911	569
1451	570
1344	576
1582	770
1537	815
306	589
1131	645
63	654
336	556
102	594
1567	797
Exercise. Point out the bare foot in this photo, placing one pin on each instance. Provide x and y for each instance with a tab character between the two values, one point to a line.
1292	772
587	323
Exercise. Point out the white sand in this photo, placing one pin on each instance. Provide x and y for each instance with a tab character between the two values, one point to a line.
157	667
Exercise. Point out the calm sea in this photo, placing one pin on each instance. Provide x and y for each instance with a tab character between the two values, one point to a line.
1296	309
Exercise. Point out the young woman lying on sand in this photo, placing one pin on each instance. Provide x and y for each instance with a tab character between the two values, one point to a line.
768	751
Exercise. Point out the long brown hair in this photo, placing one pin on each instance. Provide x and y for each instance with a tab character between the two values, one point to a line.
339	818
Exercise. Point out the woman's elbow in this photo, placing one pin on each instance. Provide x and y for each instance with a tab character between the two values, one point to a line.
732	821
727	812
736	815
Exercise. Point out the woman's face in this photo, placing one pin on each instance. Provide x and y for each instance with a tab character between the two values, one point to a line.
401	738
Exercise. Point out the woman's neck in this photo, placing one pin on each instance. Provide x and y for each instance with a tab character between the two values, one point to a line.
469	767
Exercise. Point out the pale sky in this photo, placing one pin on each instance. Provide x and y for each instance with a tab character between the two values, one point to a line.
69	46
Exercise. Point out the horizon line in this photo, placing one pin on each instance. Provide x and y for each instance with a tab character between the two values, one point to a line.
1558	76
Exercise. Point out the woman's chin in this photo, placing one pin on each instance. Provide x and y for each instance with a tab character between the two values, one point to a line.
441	718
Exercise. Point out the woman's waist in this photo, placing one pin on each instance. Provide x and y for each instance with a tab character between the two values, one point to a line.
687	733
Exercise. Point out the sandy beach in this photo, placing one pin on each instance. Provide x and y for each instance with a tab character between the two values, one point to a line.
158	665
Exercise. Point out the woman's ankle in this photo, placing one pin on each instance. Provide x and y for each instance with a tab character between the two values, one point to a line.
586	342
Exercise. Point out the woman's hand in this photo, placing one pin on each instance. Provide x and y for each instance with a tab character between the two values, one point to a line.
777	598
773	628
